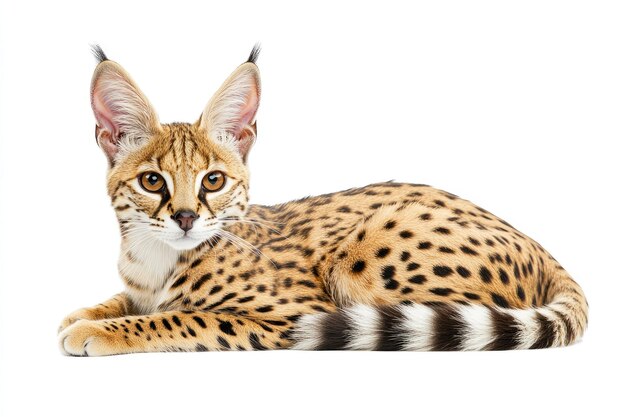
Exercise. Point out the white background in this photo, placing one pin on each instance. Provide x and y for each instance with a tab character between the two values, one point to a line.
517	106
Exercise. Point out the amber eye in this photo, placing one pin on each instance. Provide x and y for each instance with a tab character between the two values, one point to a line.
213	181
151	181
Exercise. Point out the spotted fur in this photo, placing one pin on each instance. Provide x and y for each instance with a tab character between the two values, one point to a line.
388	266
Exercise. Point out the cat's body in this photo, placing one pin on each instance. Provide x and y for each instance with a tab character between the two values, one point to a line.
388	266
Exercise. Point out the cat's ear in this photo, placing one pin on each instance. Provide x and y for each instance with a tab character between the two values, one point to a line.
231	113
124	117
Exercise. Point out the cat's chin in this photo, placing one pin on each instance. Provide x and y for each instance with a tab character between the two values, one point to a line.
184	243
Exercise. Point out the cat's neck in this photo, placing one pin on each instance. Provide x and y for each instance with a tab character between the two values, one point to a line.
144	266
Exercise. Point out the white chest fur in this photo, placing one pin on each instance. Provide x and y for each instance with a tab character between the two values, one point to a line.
145	267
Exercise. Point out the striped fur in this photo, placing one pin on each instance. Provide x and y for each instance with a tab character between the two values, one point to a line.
444	327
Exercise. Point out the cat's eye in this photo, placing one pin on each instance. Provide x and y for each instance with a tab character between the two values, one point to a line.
213	181
151	182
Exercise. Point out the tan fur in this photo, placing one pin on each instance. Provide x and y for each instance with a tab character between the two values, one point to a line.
247	289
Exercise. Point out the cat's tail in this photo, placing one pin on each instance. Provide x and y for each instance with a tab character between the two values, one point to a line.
444	326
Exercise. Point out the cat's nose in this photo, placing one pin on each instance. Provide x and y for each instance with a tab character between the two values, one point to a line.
185	219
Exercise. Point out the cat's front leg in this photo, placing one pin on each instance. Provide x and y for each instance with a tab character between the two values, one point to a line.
173	331
116	306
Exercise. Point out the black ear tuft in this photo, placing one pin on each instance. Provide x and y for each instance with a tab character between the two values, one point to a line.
99	53
254	54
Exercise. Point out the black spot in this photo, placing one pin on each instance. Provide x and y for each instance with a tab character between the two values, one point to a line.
439	203
412	266
485	274
276	322
516	271
382	252
464	272
442	230
424	245
204	278
426	216
264	309
468	250
504	277
227	327
441	291
471	296
180	281
442	270
361	236
225	298
167	324
376	205
223	342
215	289
176	320
191	331
195	263
200	322
405	256
201	348
261	288
407	290
391	284
390	224
520	293
255	342
152	325
474	241
444	249
417	279
293	318
406	234
499	300
489	242
388	272
246	299
307	283
358	266
344	209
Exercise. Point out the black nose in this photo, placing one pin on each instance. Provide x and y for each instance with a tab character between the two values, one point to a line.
185	219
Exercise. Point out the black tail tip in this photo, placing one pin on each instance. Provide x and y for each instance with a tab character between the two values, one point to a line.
98	53
254	54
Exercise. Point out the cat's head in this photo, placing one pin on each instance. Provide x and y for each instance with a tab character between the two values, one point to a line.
178	183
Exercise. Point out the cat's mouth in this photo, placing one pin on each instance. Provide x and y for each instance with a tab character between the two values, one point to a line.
185	242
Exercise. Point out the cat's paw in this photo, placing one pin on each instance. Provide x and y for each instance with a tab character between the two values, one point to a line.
89	338
82	314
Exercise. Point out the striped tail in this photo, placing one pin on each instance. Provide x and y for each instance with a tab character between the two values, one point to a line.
424	327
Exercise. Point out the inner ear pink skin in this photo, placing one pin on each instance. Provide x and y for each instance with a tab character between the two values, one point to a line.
247	112
104	115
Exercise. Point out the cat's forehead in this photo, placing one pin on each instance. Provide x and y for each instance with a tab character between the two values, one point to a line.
184	146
